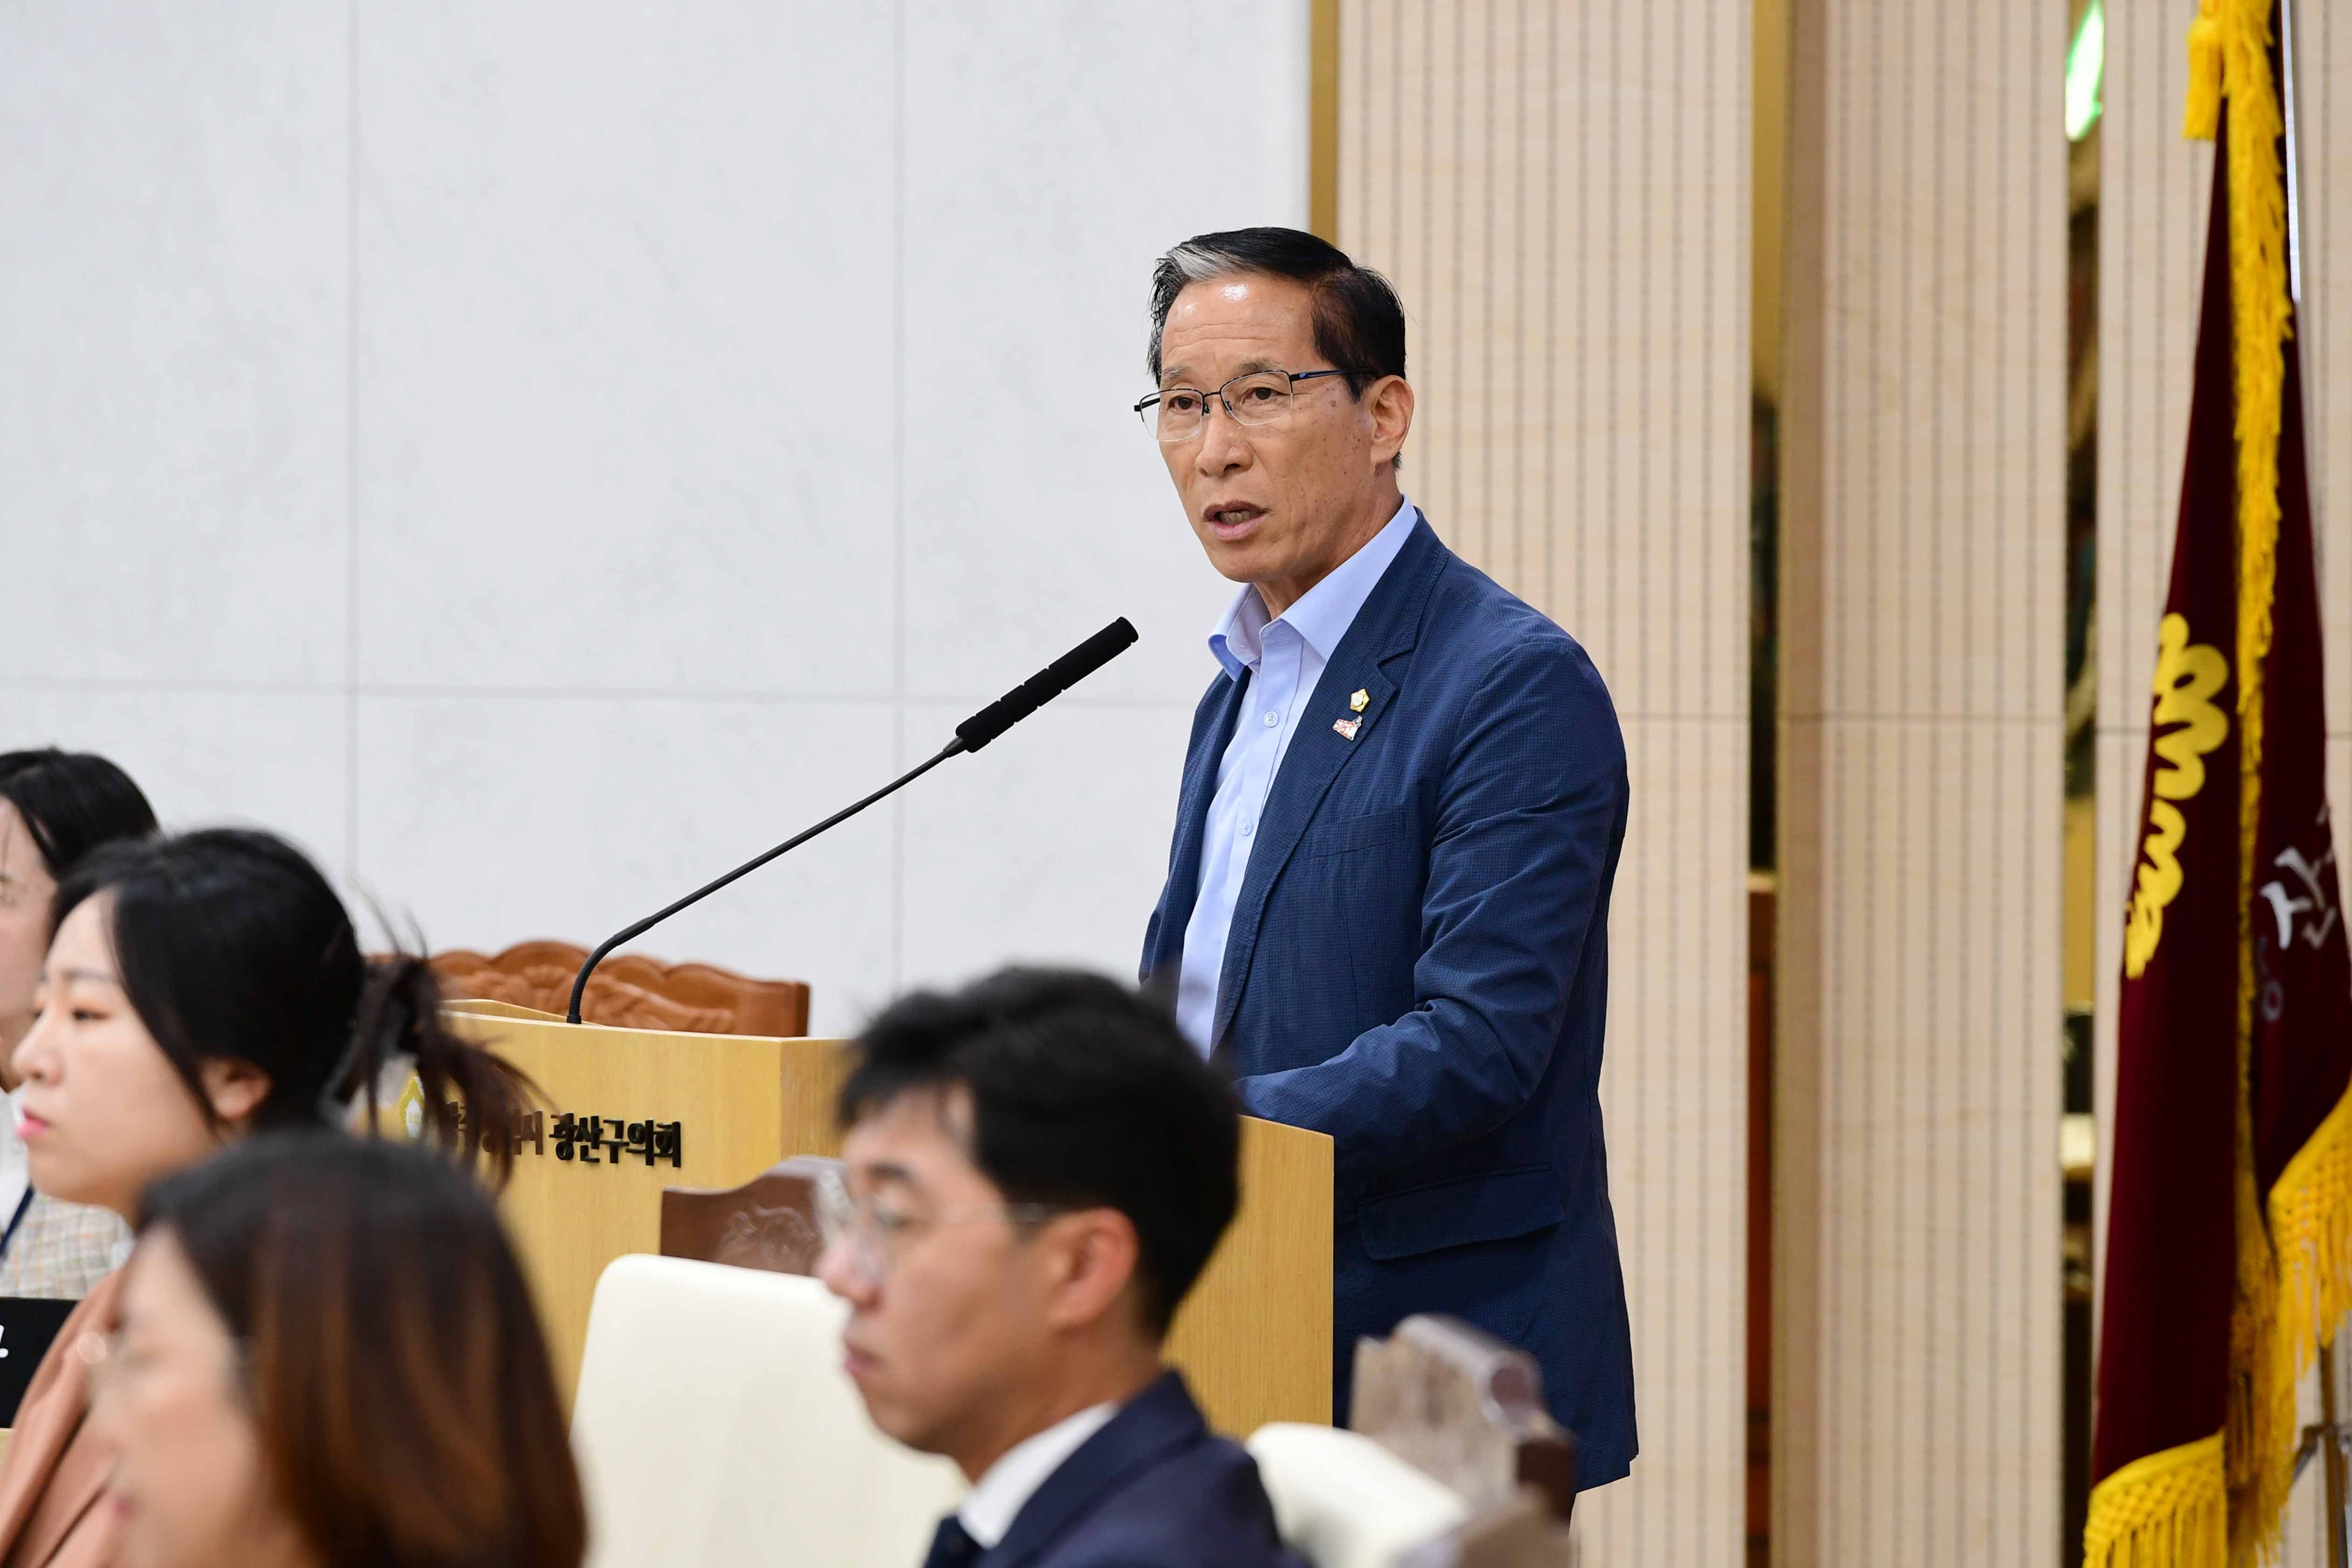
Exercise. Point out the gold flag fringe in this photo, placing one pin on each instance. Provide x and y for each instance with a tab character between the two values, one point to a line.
2293	1272
2262	1425
2311	1225
2203	116
2165	1509
2261	1419
2311	1231
2268	1342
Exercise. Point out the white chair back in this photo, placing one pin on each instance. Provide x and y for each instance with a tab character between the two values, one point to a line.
716	1428
1343	1501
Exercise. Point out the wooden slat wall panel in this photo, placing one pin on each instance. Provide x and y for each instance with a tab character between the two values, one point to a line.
2324	107
1916	1186
1561	192
2155	190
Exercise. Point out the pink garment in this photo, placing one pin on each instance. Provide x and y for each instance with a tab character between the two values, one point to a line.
55	1469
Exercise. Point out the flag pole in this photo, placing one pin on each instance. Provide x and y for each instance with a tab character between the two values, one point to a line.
2331	1434
2331	1455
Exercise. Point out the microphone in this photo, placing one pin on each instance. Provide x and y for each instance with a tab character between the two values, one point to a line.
1046	684
970	735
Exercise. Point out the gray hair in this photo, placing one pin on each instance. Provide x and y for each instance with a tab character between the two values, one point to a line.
1359	322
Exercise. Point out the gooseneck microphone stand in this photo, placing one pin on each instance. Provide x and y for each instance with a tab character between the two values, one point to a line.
970	735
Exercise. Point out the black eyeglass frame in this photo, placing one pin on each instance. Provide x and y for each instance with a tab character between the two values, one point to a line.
1294	377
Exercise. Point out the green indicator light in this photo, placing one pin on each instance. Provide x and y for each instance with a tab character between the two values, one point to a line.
2085	62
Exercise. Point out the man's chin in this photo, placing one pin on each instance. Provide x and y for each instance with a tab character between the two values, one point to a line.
1244	559
1244	568
908	1428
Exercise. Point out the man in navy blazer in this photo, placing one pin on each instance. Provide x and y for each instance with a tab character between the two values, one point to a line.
1154	1487
1038	1169
1403	799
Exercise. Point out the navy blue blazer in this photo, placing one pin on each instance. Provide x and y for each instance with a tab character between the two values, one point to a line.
1154	1489
1419	967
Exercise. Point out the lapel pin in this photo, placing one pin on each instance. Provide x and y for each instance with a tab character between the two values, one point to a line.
1346	727
1361	701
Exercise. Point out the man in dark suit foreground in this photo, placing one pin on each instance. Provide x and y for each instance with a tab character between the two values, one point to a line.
1387	906
1038	1167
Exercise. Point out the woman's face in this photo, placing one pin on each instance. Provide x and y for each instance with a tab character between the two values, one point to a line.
26	889
103	1111
189	1487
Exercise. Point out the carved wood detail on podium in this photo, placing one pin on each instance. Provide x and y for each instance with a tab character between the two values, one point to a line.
629	990
770	1222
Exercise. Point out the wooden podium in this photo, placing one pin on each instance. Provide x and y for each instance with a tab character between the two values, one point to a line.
641	1110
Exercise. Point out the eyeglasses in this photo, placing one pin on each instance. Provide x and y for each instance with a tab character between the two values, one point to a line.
875	1231
1260	398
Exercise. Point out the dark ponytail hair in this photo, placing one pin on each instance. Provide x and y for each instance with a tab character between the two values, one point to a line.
231	944
72	802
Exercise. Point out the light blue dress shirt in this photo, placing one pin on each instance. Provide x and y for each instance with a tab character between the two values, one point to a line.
1284	658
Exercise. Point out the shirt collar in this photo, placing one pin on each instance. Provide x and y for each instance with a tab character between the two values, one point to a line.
989	1511
1323	613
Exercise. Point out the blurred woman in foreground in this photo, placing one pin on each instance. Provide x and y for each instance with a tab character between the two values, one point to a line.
328	1359
56	809
199	988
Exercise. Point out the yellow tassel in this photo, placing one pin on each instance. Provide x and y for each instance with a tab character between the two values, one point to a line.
2204	110
2311	1231
2311	1223
2165	1509
2261	1425
2283	1314
2264	1352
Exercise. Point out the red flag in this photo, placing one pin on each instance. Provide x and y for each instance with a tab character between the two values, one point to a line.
2164	1332
2298	983
2229	1230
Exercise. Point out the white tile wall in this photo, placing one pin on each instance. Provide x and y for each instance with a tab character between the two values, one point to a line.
1052	841
208	755
1025	334
173	303
619	805
539	454
625	347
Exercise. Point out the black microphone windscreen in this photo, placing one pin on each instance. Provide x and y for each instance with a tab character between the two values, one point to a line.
1046	684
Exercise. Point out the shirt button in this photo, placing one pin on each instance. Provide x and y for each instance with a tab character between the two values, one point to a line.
1272	719
1248	827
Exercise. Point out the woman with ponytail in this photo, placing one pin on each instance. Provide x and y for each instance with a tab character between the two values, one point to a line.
199	988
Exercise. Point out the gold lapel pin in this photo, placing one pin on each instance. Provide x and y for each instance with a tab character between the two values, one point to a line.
1361	701
1346	727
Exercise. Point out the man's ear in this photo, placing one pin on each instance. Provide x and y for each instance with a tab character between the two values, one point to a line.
234	1087
1389	401
1095	1253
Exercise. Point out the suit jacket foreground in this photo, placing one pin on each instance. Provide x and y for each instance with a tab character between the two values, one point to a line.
1418	966
1154	1489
